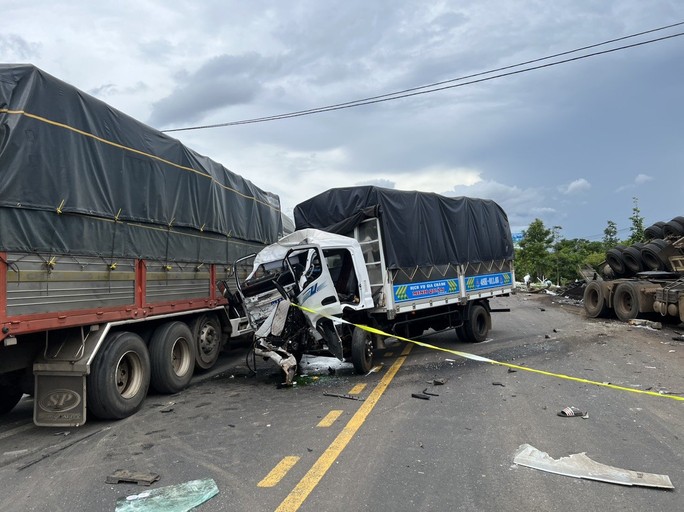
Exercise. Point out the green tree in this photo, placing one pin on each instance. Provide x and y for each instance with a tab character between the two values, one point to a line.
637	228
610	238
574	254
534	255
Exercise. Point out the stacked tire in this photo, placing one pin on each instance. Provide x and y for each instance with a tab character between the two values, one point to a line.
653	255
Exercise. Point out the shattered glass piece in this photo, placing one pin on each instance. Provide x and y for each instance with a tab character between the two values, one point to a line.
173	498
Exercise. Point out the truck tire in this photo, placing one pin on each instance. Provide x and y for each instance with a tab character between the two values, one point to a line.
595	300
119	377
631	256
654	231
626	301
362	350
614	259
206	331
478	323
10	391
673	228
172	357
652	255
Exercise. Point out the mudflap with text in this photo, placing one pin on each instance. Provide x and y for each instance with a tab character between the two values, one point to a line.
60	399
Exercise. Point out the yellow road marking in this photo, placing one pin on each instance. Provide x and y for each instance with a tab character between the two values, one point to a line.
308	483
329	418
406	350
482	359
278	472
389	354
357	389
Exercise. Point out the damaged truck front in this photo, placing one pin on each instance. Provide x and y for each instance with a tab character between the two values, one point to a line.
398	262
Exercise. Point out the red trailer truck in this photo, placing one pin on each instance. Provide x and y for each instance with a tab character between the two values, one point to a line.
114	239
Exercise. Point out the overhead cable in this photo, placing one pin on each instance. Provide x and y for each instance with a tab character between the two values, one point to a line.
464	80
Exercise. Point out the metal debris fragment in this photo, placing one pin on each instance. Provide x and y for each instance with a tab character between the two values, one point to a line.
135	477
579	465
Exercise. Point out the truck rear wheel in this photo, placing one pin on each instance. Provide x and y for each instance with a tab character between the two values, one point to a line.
362	350
595	300
119	377
172	357
626	301
10	391
206	331
477	325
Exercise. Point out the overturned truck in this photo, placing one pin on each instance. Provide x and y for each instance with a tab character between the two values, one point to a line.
397	261
113	237
642	278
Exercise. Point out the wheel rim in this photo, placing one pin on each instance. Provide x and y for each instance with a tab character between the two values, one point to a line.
368	347
180	357
129	374
207	341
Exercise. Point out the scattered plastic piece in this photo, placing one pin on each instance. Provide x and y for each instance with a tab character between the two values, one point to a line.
439	382
499	384
426	392
420	395
579	465
572	411
135	477
173	498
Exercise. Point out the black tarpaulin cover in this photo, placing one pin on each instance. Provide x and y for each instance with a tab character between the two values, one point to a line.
418	228
78	176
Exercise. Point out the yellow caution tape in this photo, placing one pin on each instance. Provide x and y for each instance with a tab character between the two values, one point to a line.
481	359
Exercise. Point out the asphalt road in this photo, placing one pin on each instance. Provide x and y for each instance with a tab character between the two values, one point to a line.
300	449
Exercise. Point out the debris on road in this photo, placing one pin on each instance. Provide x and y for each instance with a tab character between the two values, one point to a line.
422	396
426	392
499	384
572	411
133	477
348	397
579	465
439	382
638	322
173	498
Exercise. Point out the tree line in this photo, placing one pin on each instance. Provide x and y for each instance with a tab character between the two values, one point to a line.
546	256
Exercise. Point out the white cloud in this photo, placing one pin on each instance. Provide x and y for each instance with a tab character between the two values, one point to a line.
642	178
578	186
216	61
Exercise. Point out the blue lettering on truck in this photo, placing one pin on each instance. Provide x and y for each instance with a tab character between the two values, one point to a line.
425	290
478	283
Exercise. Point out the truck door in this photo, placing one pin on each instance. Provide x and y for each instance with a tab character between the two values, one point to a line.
317	293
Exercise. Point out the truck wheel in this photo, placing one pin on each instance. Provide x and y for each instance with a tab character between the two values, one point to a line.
595	300
614	259
673	228
626	301
654	231
478	324
362	350
172	357
632	258
119	377
206	331
10	391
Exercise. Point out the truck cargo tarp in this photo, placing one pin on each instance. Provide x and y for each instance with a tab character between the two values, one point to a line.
78	176
418	228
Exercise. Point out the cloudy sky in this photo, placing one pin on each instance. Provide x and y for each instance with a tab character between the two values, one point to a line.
570	144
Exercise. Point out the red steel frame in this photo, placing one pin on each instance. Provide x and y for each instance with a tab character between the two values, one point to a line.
24	324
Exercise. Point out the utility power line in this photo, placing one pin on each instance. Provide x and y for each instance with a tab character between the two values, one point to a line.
449	84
